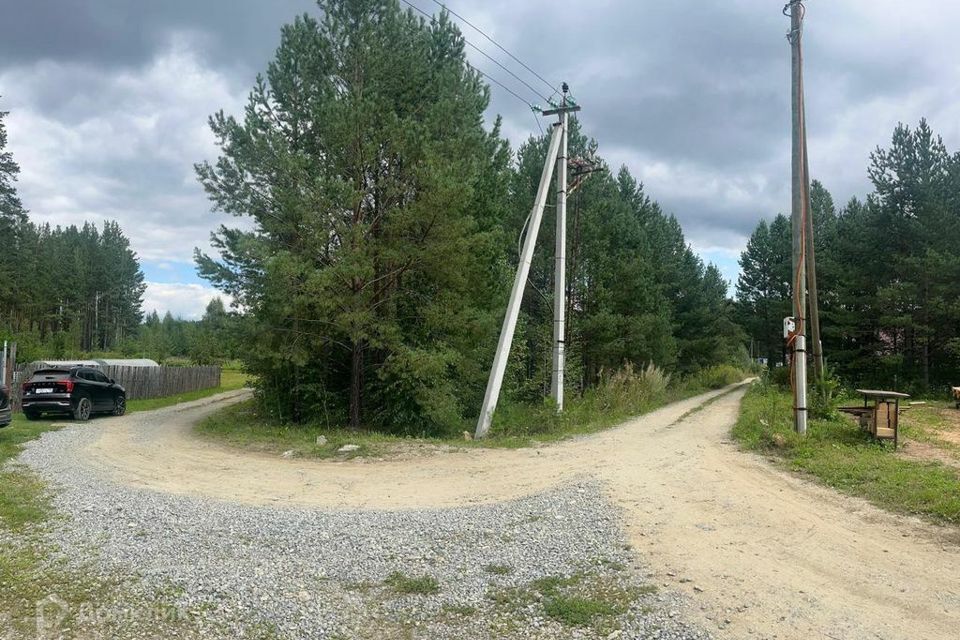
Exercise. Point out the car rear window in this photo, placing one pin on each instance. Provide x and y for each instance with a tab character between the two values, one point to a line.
49	374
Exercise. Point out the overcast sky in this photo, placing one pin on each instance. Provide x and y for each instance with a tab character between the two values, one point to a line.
109	101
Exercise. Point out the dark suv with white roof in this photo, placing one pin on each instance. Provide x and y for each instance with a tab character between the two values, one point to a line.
78	391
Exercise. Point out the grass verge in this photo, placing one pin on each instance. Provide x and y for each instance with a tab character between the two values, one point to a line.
621	396
837	453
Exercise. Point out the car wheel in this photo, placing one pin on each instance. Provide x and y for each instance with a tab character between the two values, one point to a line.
31	415
120	406
83	409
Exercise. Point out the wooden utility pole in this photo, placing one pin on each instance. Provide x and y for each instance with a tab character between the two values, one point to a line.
799	223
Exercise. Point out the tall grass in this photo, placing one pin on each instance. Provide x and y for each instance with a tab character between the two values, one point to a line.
620	394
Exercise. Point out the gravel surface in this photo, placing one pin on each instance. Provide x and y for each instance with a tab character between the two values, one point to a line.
295	573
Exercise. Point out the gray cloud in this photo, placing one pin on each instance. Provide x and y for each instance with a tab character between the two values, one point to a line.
109	99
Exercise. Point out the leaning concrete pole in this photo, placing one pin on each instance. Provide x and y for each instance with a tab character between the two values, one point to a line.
492	394
798	220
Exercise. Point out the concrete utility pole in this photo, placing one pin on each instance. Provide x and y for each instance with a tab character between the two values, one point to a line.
798	219
560	273
557	146
492	394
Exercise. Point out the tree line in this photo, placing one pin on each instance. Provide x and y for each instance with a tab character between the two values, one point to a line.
384	239
888	270
68	288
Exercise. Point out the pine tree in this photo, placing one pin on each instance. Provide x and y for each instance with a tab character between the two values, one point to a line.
359	156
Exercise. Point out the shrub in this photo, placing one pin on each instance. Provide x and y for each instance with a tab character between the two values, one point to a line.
627	391
715	377
823	403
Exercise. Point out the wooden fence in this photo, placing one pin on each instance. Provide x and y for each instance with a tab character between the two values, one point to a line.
143	382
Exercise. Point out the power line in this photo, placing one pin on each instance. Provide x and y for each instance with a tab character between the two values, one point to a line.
491	58
503	86
515	76
497	44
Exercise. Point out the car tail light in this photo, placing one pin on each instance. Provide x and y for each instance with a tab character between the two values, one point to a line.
26	387
68	385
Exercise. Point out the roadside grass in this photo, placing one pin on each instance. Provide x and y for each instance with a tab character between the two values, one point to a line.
836	452
623	395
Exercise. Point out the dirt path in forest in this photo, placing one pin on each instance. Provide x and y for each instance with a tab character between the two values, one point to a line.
763	553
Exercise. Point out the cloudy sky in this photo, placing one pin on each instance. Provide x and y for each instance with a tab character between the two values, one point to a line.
109	101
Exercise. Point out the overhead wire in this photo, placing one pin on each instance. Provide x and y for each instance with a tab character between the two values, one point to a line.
529	104
552	86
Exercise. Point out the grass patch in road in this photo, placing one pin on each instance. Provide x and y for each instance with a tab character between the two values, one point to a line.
578	611
421	585
578	600
836	452
462	610
498	569
242	425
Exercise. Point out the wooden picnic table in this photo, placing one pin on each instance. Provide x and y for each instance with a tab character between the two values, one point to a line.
880	413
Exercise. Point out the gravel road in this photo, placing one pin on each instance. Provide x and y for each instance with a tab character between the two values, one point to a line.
242	570
721	543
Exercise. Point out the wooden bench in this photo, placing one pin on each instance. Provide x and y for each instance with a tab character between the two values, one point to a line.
880	413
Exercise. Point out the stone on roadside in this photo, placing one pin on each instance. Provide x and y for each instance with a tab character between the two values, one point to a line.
321	441
347	448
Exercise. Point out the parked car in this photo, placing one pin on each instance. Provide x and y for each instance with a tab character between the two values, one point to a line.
77	391
5	414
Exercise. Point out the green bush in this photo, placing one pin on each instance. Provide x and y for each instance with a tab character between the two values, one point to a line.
778	376
715	377
627	391
823	401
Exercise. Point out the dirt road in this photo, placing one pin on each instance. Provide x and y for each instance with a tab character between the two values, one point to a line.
765	554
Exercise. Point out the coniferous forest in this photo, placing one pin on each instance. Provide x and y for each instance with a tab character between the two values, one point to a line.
387	214
73	288
385	242
888	270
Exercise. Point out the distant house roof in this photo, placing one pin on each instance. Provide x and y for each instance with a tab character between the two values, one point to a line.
128	362
96	364
54	364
